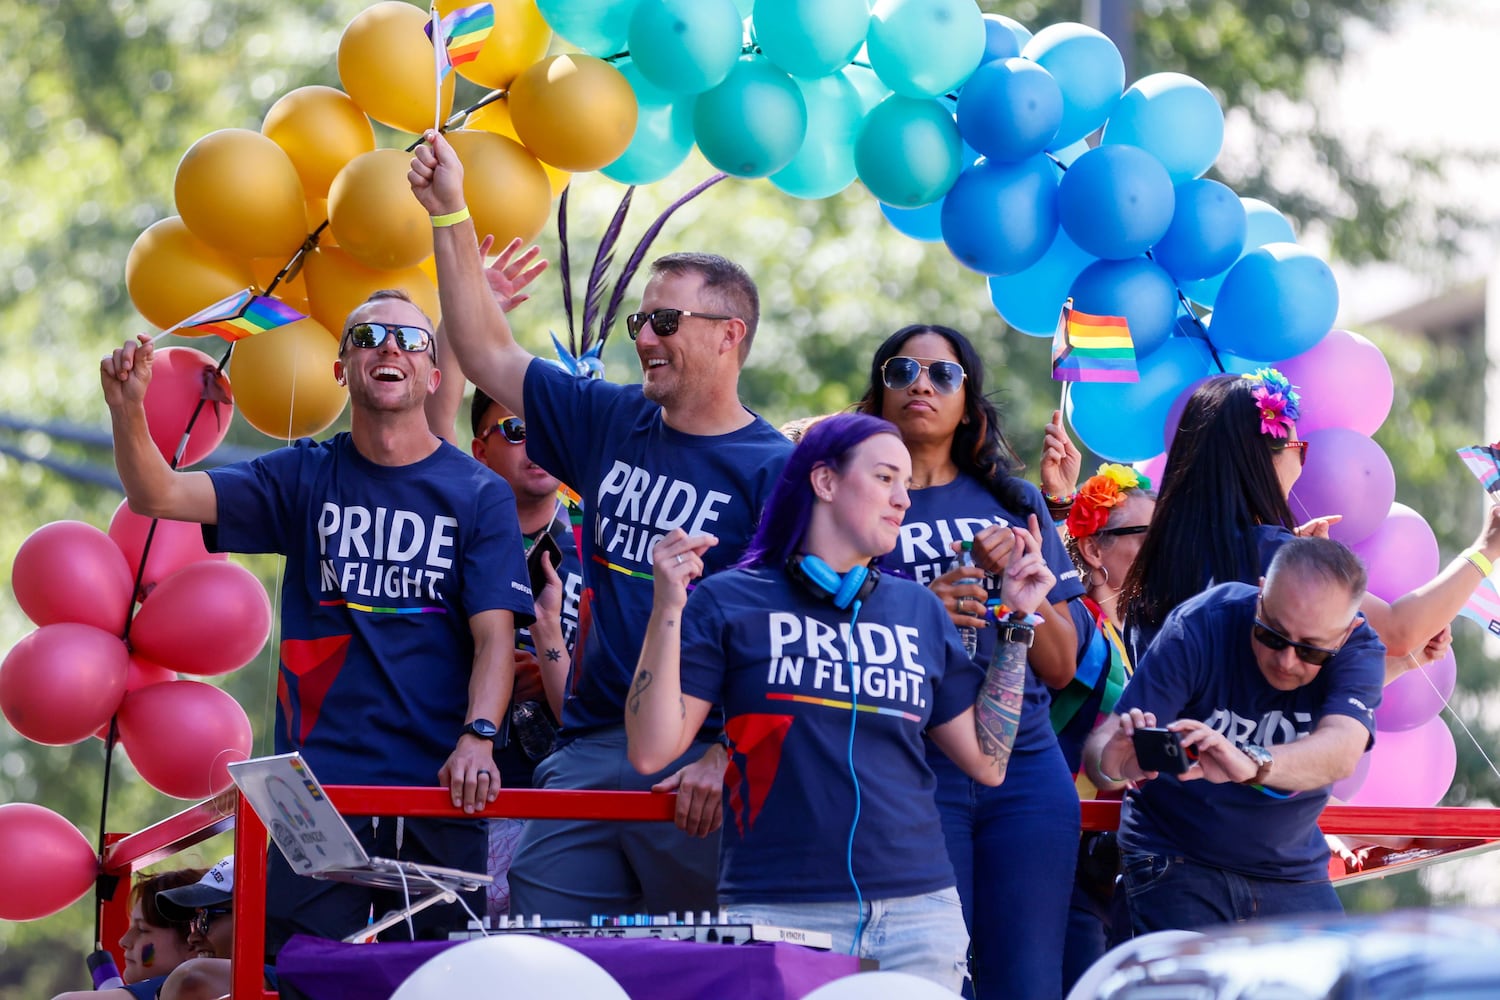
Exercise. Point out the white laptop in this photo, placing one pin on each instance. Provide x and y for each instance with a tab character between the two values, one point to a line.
316	841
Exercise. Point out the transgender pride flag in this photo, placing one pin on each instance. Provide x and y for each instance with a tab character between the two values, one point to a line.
1484	607
460	36
238	316
1090	348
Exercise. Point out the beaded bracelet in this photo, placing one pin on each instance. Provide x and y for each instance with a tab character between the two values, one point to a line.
1059	501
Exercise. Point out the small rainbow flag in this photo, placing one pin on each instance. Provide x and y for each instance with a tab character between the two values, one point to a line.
462	34
1088	348
241	315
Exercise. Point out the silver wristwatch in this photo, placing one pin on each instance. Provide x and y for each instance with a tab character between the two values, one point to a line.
1262	758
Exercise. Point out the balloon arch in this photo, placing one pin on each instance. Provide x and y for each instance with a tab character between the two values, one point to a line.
1025	154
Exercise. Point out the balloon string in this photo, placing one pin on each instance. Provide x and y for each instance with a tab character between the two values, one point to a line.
1456	718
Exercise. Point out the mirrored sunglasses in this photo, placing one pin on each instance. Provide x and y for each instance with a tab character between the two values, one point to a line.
945	377
512	429
202	919
368	336
663	321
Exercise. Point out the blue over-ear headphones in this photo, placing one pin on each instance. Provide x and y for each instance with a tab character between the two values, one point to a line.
822	580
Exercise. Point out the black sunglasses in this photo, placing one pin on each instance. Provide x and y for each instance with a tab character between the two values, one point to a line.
1273	640
663	321
1279	445
203	918
1132	529
512	429
945	377
369	336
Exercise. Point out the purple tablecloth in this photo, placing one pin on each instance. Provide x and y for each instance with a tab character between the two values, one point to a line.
645	968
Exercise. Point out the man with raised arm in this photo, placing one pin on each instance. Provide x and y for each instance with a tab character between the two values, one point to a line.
680	450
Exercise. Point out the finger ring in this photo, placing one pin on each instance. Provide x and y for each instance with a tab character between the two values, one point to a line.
679	559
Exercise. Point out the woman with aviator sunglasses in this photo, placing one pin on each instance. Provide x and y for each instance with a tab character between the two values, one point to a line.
1018	841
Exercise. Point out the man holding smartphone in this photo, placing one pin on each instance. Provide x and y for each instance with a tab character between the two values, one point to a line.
1266	697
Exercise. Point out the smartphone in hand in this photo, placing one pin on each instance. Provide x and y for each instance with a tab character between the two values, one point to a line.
546	547
1158	749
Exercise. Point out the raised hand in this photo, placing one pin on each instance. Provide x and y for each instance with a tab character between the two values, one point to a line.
125	373
511	272
677	561
436	176
1027	579
1061	460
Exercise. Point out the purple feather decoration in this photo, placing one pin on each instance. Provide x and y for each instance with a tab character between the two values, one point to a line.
633	264
562	263
594	290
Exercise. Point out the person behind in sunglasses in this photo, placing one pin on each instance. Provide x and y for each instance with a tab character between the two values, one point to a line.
1223	511
404	584
1273	688
207	908
928	380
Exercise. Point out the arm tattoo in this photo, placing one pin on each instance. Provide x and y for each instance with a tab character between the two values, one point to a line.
997	710
643	680
553	655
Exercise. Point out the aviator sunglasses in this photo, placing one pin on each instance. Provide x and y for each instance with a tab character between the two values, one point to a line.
512	429
663	321
369	336
1314	656
945	377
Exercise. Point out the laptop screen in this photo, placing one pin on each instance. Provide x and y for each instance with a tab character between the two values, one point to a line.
304	825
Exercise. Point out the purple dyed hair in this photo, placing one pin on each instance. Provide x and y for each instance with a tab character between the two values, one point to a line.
788	511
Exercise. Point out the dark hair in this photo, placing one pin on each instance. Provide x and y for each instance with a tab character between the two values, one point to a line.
477	407
1218	486
379	295
788	510
730	285
979	447
1324	558
148	886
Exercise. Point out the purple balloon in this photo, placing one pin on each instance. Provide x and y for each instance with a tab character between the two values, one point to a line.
1348	474
1401	555
1345	382
1152	468
1413	767
1347	788
1416	696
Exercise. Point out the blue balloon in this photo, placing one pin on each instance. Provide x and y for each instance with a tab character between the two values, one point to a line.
1126	421
685	46
923	48
598	27
824	165
1000	218
1207	232
908	152
1009	109
663	132
1115	201
754	122
1136	289
1003	38
1087	67
1277	301
924	223
1174	118
1263	224
811	39
1031	300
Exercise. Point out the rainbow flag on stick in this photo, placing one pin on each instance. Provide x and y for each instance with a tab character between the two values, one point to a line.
238	316
1088	348
458	37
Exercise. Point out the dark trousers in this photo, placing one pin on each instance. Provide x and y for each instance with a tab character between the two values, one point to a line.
1173	893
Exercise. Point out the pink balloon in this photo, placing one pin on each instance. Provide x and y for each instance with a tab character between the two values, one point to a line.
1152	469
207	618
1413	767
182	735
174	544
1400	556
1346	789
1348	474
1344	381
1416	696
180	376
68	571
46	863
62	682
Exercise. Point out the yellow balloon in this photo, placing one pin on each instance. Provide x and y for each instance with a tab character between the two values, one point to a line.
317	215
337	283
238	191
292	291
504	186
373	213
283	382
573	111
495	117
386	65
171	274
520	38
321	129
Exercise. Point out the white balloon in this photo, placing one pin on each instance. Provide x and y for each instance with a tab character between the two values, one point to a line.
520	966
1146	946
879	986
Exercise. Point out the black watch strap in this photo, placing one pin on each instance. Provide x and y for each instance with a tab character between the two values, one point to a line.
1016	632
482	728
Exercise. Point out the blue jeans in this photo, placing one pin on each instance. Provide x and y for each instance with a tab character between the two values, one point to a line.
1167	893
1013	850
923	935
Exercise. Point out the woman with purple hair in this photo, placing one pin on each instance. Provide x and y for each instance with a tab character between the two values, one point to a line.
829	675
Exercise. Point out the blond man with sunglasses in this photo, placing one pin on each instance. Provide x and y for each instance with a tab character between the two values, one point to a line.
1266	696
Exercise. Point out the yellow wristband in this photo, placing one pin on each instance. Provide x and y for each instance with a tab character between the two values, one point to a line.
1099	766
1479	561
451	219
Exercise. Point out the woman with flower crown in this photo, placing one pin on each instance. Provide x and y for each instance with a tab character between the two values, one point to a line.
1222	514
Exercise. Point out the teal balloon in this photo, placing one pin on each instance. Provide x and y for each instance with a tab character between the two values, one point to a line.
924	223
1031	300
811	38
871	90
1087	67
1277	301
824	165
1000	218
1003	38
686	46
1126	421
1207	232
1174	118
745	7
753	123
598	27
924	48
663	132
908	152
1263	224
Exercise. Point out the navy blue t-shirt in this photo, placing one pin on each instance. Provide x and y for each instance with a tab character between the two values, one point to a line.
778	659
941	515
384	567
639	479
1202	666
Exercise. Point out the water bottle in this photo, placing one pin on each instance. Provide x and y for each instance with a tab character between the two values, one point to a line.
533	729
968	633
